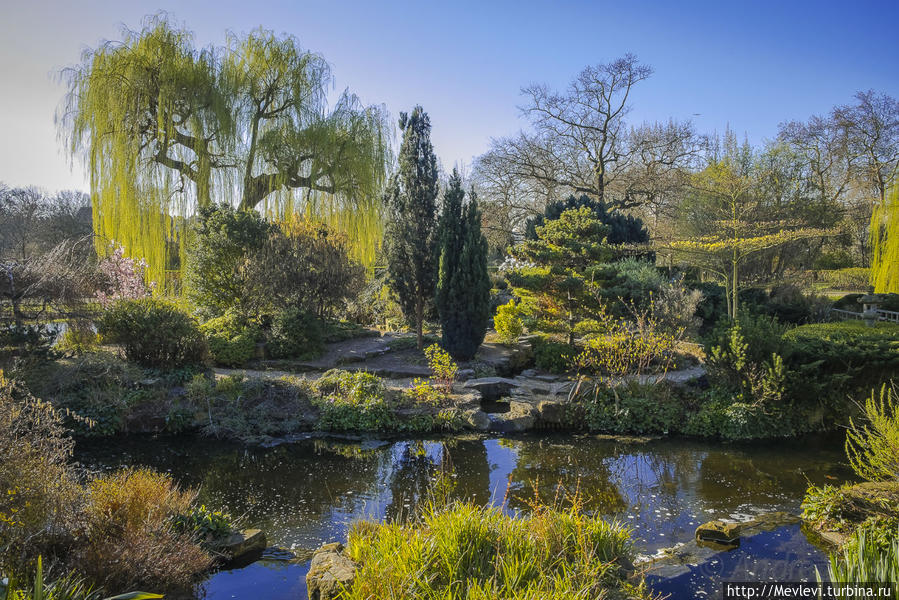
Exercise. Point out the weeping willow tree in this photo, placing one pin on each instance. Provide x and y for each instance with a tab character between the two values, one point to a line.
164	127
885	244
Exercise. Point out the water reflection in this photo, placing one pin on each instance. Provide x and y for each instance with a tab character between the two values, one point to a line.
307	493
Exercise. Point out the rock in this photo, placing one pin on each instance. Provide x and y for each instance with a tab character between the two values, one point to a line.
491	388
242	544
552	411
521	417
464	374
477	419
834	538
331	571
407	414
529	373
506	361
719	532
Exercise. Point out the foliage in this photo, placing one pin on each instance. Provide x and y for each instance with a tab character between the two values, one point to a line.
830	362
27	344
625	349
231	339
675	309
731	224
752	379
304	265
850	278
238	262
885	244
70	586
153	333
246	122
460	550
559	286
463	285
442	366
295	334
93	391
122	278
632	408
508	323
222	242
206	523
623	228
422	392
38	492
352	401
873	445
359	401
375	305
77	339
552	356
129	540
410	238
251	410
720	416
788	304
115	531
865	561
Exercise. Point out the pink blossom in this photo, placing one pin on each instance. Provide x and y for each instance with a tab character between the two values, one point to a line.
124	277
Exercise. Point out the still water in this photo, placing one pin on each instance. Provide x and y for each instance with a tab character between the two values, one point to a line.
306	493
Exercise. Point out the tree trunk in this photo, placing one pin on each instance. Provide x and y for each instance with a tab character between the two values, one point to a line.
727	297
17	312
735	292
419	319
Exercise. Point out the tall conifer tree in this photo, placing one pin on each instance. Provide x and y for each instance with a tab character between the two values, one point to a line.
411	231
463	285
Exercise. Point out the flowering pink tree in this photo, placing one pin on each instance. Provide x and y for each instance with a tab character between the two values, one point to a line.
123	277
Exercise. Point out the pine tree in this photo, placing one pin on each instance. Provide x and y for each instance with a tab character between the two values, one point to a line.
411	233
463	285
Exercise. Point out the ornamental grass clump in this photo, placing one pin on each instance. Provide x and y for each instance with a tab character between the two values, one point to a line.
459	550
130	539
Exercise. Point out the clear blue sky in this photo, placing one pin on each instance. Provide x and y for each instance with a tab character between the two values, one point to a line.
750	64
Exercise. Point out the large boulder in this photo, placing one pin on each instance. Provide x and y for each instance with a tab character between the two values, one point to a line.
330	572
552	411
242	545
521	417
477	419
719	532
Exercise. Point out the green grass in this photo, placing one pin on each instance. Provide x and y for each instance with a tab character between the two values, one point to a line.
463	551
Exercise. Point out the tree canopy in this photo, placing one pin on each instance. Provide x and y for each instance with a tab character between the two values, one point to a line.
166	127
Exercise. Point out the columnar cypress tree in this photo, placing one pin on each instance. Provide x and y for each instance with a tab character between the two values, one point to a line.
463	286
411	232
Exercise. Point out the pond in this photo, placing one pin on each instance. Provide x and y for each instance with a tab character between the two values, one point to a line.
306	493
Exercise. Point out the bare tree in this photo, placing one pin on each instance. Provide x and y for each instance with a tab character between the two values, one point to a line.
59	281
580	142
21	212
33	221
872	129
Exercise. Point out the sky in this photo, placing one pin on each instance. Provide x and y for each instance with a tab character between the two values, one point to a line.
749	64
